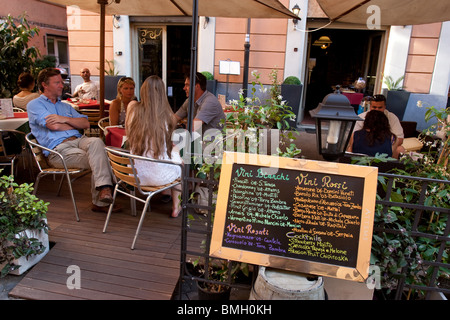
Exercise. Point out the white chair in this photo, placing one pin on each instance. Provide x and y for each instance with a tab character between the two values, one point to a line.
122	163
46	169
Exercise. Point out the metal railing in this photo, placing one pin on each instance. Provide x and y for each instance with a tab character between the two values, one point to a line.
196	233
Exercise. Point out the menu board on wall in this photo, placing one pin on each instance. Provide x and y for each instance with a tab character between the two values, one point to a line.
299	215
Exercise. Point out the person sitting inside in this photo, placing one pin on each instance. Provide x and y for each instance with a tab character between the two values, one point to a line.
88	89
118	107
378	102
56	126
208	111
149	129
26	94
374	137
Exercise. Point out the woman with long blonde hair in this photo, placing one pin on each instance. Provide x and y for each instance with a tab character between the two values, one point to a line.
118	107
149	128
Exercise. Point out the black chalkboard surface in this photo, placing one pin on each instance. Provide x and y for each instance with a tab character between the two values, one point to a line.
295	214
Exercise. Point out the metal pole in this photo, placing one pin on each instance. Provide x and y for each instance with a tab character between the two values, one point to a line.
102	4
187	166
246	59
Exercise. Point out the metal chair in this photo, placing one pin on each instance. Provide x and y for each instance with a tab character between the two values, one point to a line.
93	118
103	123
12	144
122	163
46	169
17	109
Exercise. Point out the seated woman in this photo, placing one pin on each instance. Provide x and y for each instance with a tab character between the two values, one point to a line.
375	137
118	107
149	130
26	85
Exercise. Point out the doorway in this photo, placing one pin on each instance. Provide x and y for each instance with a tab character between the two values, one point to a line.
165	51
340	57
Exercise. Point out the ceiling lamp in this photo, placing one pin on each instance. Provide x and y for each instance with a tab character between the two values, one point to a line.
323	42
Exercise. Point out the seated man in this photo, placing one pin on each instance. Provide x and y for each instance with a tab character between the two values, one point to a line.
378	102
208	111
55	125
88	89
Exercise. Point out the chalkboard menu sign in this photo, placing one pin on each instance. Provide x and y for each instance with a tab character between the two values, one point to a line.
300	215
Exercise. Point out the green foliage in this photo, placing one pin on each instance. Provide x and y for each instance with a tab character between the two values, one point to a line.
111	70
19	210
45	62
393	84
292	80
392	252
208	75
15	54
252	112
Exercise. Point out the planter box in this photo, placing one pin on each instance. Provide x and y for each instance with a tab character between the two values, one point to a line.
396	102
25	263
111	86
292	93
211	86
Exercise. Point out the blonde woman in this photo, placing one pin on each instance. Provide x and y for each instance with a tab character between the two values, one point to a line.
149	128
118	107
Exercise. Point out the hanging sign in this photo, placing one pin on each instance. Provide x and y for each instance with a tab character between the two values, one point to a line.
300	215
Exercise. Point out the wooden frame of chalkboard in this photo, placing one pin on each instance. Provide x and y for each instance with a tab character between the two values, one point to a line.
300	215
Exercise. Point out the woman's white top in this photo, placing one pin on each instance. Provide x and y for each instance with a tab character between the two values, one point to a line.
158	174
21	102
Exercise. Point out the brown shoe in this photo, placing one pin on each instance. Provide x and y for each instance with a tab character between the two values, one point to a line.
105	195
116	208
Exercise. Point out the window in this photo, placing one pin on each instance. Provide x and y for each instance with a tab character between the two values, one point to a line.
58	47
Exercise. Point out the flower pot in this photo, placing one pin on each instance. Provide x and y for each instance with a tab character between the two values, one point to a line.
396	102
206	294
292	93
111	86
25	263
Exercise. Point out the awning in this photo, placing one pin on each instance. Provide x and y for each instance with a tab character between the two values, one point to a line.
211	8
391	12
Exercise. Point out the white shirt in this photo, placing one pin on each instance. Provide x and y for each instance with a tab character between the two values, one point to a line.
90	90
394	123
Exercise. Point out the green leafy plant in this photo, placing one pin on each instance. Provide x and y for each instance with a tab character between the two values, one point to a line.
111	70
208	75
20	210
392	84
252	112
400	255
16	56
292	80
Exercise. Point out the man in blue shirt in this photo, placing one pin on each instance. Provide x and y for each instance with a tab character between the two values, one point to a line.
56	126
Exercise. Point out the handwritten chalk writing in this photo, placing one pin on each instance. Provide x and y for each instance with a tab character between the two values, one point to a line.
313	216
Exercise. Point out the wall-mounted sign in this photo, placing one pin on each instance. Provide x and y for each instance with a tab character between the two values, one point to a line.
301	215
229	67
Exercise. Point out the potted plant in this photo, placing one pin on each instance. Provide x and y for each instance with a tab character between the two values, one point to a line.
291	90
112	77
217	274
397	97
23	227
211	83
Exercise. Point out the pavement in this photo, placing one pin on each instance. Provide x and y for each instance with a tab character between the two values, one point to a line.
306	141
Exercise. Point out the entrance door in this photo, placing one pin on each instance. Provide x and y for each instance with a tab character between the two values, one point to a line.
345	56
165	51
152	52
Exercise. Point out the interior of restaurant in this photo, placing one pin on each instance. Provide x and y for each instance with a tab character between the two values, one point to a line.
340	57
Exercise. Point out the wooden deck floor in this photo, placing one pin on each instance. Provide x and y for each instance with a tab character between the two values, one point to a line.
109	268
